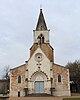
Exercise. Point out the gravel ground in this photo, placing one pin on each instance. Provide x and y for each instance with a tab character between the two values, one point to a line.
37	98
4	98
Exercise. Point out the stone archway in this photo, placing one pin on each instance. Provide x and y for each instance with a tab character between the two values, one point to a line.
39	79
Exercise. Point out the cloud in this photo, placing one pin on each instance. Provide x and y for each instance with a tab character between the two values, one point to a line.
18	18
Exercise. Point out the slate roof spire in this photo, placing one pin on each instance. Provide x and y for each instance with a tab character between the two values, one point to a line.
41	24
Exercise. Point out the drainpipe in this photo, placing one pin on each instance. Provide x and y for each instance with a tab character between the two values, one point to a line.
26	80
51	78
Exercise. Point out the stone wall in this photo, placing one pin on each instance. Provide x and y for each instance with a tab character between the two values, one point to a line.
14	86
61	88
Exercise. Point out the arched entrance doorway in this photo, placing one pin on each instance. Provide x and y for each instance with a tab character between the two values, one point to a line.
39	78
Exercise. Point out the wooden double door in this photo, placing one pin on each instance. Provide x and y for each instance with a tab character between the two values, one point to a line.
39	87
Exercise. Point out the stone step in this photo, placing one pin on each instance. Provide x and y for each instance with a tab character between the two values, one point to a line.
39	95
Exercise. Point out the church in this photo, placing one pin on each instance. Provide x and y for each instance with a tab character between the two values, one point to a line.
40	75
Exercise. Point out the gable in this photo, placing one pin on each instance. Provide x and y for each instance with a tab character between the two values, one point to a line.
34	64
46	48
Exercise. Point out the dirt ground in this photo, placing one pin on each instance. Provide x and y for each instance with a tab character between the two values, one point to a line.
37	98
42	98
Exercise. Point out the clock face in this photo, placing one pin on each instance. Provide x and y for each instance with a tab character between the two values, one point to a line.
38	57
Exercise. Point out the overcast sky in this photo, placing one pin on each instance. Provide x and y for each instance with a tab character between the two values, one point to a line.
18	19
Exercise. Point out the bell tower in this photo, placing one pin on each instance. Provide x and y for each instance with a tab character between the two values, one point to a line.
41	38
41	34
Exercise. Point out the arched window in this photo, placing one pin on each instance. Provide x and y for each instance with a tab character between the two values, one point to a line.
59	78
19	79
40	39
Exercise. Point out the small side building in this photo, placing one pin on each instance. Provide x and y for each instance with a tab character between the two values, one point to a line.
4	86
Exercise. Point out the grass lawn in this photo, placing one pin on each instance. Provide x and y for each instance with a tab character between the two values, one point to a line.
71	99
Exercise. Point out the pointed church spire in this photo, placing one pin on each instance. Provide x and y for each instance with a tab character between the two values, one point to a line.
41	24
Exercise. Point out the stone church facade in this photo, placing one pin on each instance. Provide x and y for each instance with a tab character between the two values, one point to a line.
40	75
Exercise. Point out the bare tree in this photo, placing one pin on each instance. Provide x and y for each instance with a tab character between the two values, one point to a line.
6	72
